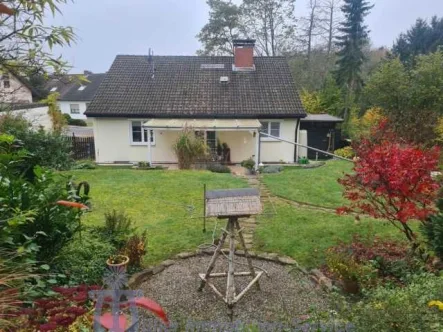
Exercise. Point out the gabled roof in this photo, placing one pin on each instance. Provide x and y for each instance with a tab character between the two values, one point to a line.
68	87
190	87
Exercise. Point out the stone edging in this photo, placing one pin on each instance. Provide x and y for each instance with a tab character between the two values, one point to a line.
140	277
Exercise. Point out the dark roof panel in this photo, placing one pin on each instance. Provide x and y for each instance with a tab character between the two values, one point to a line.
68	87
178	86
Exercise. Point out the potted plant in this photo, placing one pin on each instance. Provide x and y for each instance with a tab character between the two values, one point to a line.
118	261
249	164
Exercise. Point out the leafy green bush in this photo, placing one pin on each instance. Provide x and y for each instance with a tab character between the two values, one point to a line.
248	164
37	227
432	230
217	168
85	164
83	260
75	122
346	152
189	149
271	169
45	149
401	308
118	228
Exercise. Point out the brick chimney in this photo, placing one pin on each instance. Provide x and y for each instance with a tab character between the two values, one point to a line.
244	55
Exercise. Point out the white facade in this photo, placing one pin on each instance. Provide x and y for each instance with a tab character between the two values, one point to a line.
13	91
37	116
113	143
67	106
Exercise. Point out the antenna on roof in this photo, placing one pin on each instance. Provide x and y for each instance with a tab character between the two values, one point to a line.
151	61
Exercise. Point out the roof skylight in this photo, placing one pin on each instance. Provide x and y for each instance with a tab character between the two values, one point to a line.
212	66
82	87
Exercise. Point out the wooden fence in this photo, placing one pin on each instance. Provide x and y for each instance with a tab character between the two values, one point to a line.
82	147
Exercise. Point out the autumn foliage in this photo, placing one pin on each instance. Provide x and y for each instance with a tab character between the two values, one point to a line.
392	180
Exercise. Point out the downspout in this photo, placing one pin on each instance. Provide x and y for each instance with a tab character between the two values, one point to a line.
297	139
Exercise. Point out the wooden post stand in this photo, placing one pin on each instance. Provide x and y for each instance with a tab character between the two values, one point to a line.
230	297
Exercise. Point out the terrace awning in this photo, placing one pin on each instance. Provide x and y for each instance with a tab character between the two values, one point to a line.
202	124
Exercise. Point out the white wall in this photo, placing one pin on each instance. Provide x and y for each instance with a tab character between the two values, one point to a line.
16	93
66	108
274	151
38	117
241	143
113	143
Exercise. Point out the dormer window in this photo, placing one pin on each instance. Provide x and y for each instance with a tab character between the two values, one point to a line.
82	87
6	81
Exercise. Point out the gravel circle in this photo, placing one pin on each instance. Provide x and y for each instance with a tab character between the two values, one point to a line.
285	295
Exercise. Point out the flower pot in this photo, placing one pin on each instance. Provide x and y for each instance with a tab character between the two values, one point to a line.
123	265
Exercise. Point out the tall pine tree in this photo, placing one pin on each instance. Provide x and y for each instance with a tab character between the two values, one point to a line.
353	38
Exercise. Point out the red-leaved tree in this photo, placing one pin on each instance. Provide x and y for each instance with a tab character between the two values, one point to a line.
392	180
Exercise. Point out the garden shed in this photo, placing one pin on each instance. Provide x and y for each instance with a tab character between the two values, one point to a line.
324	133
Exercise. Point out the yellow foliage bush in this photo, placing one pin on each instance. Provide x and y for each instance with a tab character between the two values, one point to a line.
311	102
346	152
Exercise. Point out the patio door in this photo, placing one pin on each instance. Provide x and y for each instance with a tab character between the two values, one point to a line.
211	142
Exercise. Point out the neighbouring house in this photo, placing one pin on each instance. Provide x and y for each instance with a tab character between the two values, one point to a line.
145	101
74	94
36	113
15	89
323	133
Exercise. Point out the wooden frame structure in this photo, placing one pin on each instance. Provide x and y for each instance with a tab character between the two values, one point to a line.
231	205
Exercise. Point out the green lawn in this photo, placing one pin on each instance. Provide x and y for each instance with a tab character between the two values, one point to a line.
316	186
166	203
305	234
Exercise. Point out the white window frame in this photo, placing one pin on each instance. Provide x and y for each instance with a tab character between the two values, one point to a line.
268	130
143	142
70	109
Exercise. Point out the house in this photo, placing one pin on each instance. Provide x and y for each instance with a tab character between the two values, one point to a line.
14	89
145	101
36	113
75	95
322	133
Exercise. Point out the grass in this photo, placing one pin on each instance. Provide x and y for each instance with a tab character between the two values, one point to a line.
166	203
305	234
317	186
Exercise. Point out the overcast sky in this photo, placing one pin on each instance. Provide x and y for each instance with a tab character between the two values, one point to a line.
106	28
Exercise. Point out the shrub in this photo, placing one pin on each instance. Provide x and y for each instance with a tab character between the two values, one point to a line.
392	180
135	249
433	232
37	227
85	164
248	164
75	122
353	275
271	169
50	150
118	228
57	313
217	168
400	308
83	260
346	152
189	149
